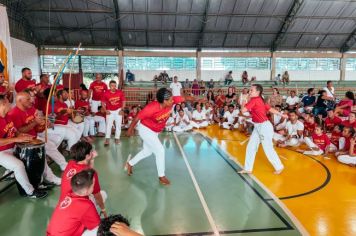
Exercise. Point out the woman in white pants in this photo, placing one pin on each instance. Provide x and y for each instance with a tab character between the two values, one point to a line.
199	118
262	132
153	119
113	102
349	159
182	122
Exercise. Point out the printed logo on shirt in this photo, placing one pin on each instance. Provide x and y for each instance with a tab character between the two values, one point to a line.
10	130
29	119
114	100
98	88
163	117
65	203
71	173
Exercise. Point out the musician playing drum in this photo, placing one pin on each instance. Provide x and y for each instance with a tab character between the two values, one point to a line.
8	137
82	107
27	120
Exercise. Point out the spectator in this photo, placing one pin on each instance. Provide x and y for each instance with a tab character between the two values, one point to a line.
330	95
292	100
176	87
220	99
210	97
182	122
186	84
130	77
293	133
243	99
320	106
331	121
164	77
199	118
285	78
210	84
307	102
253	79
26	81
228	78
195	88
202	87
275	99
277	79
345	105
230	96
244	77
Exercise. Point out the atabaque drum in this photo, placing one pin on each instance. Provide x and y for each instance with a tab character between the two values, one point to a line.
33	155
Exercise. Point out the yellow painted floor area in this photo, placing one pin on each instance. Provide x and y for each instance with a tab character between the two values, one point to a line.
320	193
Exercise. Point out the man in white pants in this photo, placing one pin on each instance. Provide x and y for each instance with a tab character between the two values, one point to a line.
176	87
99	117
293	134
199	118
26	120
82	105
230	118
113	101
153	119
96	91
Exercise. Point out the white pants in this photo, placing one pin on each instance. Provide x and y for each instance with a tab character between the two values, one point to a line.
102	123
342	142
67	132
347	159
182	128
54	154
151	144
110	118
262	133
199	125
10	162
93	232
292	142
310	144
94	106
89	124
78	126
56	139
227	125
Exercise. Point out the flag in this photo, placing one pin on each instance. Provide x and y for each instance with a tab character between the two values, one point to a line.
5	46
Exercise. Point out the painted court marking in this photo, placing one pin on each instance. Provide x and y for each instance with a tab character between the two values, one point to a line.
197	188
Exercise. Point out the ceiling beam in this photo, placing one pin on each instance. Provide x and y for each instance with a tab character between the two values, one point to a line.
349	42
286	23
203	24
118	26
69	10
229	25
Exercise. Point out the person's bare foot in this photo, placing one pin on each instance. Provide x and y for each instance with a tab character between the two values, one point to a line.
107	142
100	135
117	141
277	172
244	172
164	181
129	169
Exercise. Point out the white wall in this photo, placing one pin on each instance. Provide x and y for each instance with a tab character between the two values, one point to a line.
24	55
147	75
297	75
236	75
350	75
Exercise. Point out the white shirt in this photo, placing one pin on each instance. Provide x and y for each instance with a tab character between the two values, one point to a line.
176	87
292	101
170	121
293	128
182	119
199	116
231	116
329	93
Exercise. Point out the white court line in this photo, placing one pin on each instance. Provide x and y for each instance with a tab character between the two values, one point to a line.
243	142
285	158
197	188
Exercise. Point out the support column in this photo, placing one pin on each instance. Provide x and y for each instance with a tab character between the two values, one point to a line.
198	69
273	66
120	63
342	67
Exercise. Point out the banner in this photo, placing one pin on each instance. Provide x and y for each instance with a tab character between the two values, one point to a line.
5	46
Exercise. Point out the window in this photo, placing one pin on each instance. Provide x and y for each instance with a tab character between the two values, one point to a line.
351	64
160	63
100	64
326	64
51	64
235	63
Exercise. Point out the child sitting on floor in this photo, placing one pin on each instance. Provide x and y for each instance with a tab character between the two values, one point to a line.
182	122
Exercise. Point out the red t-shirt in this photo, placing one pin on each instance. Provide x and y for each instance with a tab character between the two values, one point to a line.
220	102
347	123
72	169
23	84
3	89
330	123
113	101
61	119
309	128
321	141
41	102
347	109
334	139
99	88
72	216
154	117
7	130
258	109
82	104
23	118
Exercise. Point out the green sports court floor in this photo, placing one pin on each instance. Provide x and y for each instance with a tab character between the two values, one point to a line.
235	204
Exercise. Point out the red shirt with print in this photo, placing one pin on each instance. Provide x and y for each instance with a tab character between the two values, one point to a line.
7	130
309	128
98	88
346	123
72	216
258	109
61	119
330	123
82	104
334	139
322	141
23	84
113	100
72	169
23	118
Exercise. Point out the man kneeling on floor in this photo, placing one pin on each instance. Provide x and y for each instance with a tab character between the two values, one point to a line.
83	156
75	214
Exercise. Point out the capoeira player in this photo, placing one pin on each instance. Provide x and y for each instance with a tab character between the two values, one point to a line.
262	132
153	120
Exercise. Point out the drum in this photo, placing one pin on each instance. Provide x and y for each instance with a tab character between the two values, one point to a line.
77	119
33	155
